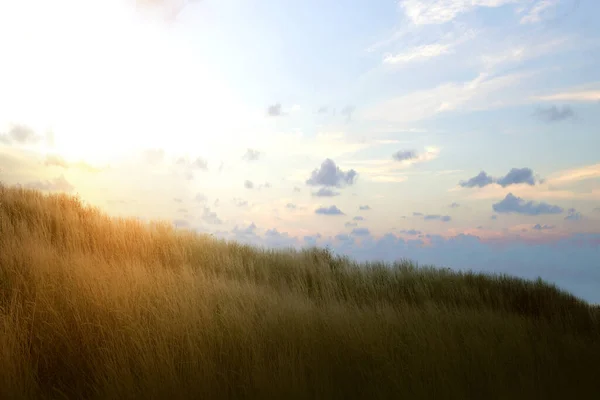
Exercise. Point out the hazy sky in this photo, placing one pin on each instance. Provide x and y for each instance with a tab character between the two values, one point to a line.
463	133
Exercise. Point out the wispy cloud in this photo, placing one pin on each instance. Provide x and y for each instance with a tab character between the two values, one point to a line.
537	11
586	94
425	12
575	174
418	53
443	46
394	169
481	93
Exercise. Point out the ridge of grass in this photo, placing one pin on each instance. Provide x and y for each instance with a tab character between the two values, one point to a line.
99	308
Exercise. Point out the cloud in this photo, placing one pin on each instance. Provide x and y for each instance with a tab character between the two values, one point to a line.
297	189
418	53
484	92
358	218
454	205
494	217
342	237
573	215
411	232
329	174
248	184
444	45
20	134
276	239
54	160
581	96
291	206
325	192
480	180
350	224
360	232
539	227
182	210
535	13
554	113
514	177
265	185
513	204
249	230
364	207
251	155
210	217
275	110
425	12
403	155
59	184
517	176
437	217
311	240
177	200
331	210
393	170
576	174
323	110
417	214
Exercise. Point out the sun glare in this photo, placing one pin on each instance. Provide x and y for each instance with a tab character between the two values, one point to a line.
108	81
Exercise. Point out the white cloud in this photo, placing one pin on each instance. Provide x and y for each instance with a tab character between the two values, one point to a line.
425	12
483	92
537	11
418	53
518	52
575	174
583	96
391	170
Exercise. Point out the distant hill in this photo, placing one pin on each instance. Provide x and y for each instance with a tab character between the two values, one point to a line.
93	307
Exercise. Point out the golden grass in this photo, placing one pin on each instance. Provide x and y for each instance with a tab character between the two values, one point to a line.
99	308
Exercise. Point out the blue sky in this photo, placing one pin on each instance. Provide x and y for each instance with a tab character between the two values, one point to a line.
468	127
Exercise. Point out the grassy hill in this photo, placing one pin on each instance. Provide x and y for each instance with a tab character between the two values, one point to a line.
102	308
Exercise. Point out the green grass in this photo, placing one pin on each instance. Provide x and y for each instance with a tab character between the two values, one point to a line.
99	308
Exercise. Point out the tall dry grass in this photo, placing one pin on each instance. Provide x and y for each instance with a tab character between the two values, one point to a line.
99	308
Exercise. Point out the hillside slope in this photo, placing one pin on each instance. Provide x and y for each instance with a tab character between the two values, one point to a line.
99	308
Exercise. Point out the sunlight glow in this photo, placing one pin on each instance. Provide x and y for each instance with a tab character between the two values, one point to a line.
107	81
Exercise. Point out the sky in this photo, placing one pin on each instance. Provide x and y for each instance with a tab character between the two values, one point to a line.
460	133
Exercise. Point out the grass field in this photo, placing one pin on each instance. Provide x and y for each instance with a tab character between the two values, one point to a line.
99	308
